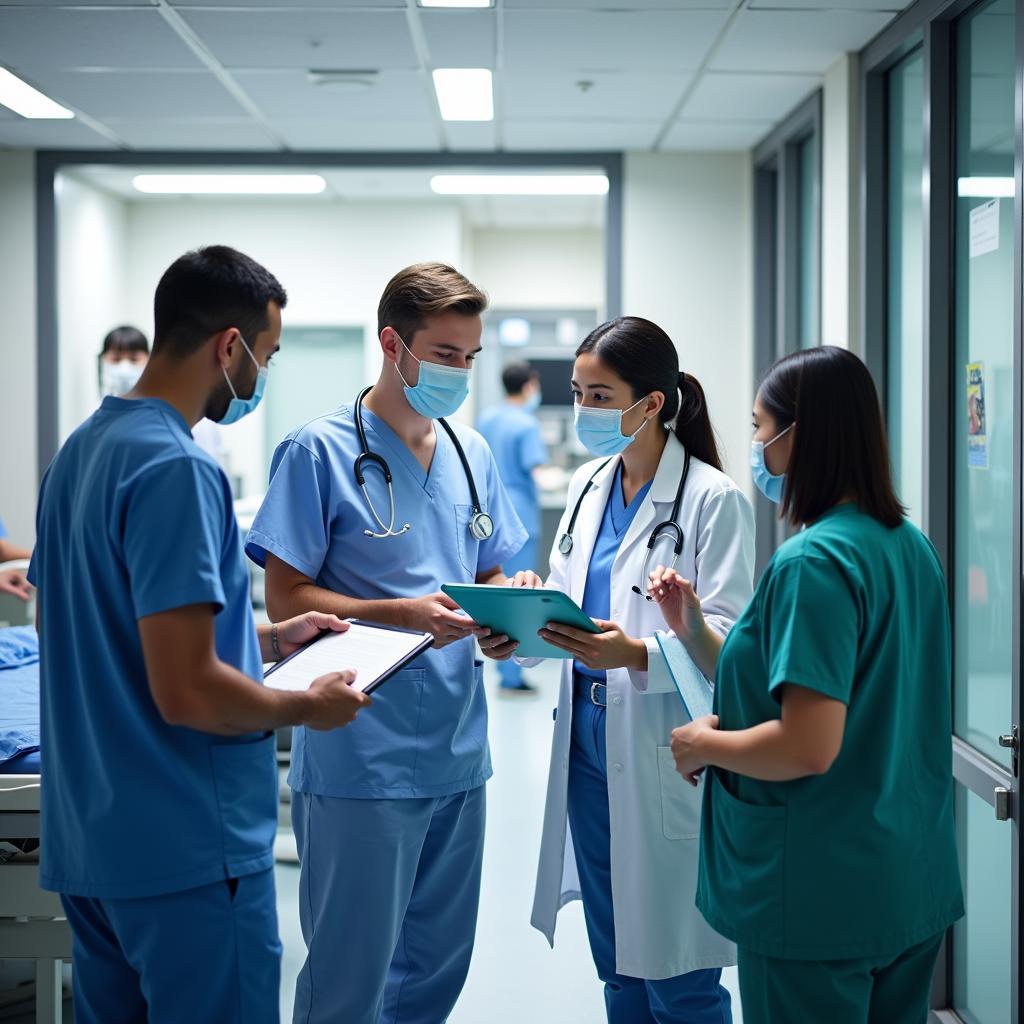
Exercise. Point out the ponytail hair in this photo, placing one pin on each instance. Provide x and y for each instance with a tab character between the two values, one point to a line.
643	355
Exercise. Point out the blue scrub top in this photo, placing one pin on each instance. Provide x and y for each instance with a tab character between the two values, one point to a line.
135	519
426	734
597	595
514	437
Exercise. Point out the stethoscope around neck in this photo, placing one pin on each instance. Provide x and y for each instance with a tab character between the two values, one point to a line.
669	528
481	526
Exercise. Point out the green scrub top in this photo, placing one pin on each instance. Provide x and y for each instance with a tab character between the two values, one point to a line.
860	861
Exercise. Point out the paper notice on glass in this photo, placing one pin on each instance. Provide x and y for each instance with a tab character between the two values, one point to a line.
977	419
374	651
984	232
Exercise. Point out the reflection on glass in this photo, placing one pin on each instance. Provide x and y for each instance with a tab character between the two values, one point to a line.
905	328
983	382
981	940
808	165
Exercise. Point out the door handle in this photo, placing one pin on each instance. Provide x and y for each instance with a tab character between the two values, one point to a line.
1002	802
1011	742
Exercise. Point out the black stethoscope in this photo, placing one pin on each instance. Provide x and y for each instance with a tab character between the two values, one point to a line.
481	526
669	526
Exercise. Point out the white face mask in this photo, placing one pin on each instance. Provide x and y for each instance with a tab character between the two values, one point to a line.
119	378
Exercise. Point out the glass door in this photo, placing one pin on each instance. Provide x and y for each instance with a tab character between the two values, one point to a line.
985	588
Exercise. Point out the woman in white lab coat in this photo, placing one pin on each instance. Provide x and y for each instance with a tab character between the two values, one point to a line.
619	830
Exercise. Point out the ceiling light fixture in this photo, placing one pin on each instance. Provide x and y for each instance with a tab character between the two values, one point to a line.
985	188
456	3
20	97
464	94
520	184
230	184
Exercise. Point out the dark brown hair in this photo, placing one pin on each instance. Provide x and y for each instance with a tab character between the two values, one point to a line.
643	355
840	449
424	290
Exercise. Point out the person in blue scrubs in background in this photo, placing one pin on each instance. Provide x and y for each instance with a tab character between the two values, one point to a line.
512	431
159	775
389	816
13	581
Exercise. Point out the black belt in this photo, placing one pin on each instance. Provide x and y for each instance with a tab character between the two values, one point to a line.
594	691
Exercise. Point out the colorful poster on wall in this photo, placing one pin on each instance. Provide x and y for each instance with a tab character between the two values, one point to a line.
977	419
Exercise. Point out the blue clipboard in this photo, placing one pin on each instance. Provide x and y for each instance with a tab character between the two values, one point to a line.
694	690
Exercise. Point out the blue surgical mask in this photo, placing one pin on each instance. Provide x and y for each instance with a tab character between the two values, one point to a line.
239	407
532	404
600	430
768	483
439	391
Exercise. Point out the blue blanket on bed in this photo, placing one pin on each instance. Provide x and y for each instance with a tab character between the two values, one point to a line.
19	699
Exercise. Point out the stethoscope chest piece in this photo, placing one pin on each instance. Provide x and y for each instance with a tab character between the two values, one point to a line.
481	526
565	543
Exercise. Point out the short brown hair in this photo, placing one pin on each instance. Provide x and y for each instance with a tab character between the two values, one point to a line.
423	290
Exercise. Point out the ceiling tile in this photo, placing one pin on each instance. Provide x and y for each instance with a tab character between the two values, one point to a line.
618	96
565	136
80	3
305	39
794	41
618	5
863	6
715	135
471	135
141	94
316	134
237	133
460	39
401	95
612	40
748	97
383	5
45	37
23	134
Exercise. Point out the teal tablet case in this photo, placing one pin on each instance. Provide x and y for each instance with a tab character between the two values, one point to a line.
694	689
520	613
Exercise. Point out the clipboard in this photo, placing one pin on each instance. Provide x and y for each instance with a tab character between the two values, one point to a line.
375	650
694	689
519	613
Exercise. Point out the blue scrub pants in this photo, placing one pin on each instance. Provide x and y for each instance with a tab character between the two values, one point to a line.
207	956
693	998
511	673
388	896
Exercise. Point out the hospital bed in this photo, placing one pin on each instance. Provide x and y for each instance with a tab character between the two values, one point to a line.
32	923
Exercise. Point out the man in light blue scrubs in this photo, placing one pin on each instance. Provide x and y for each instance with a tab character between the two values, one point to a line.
512	431
159	801
389	815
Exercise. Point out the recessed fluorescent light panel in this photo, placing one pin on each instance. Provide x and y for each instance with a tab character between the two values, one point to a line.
464	94
520	184
20	97
985	188
456	3
230	184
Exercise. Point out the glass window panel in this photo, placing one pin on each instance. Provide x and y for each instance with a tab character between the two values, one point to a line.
981	940
983	379
808	166
905	328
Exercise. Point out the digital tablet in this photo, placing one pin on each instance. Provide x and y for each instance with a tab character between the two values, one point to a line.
374	650
520	613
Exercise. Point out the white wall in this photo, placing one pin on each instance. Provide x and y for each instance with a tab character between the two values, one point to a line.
91	255
19	481
333	259
687	265
541	268
840	220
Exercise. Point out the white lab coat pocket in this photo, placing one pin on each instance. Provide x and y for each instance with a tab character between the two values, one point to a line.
680	802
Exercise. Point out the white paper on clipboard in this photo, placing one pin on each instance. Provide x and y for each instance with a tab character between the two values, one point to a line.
374	652
694	689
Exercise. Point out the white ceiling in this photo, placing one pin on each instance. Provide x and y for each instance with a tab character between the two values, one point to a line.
569	74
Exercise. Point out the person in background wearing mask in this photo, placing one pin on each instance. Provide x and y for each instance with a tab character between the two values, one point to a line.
159	771
122	359
629	850
13	581
389	816
512	431
828	850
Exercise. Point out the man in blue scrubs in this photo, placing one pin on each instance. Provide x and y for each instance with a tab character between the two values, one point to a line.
389	815
12	581
159	802
512	431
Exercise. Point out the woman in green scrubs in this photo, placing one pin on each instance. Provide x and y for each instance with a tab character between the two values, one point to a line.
827	846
